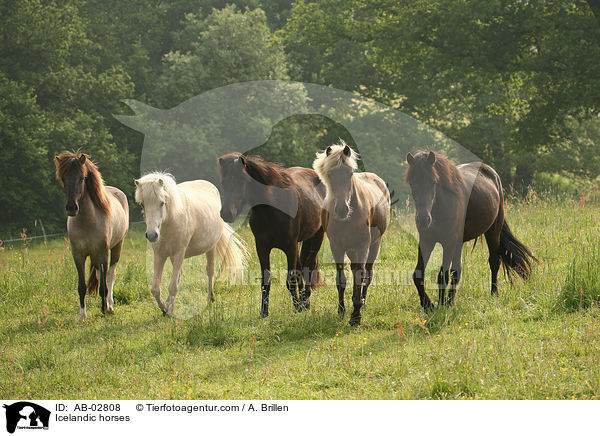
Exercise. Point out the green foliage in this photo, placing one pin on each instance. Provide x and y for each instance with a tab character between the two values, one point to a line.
517	83
227	46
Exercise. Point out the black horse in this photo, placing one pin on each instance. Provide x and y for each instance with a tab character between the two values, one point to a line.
455	204
285	209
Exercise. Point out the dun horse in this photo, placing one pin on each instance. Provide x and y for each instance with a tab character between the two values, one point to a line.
356	213
455	204
285	205
182	220
98	222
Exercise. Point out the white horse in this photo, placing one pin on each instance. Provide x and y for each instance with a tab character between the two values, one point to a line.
183	220
356	214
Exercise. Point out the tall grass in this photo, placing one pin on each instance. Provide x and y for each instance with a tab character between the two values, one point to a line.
538	339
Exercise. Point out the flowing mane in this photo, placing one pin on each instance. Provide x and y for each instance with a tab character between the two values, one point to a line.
267	173
69	161
157	187
444	171
333	157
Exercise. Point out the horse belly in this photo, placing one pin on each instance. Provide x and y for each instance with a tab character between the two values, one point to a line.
481	215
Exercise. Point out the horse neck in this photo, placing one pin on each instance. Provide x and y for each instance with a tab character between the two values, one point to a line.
87	209
330	196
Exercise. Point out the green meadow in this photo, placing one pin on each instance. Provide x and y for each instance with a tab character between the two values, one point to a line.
538	339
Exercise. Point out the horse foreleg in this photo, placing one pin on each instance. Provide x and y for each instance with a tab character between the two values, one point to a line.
115	254
81	287
419	274
159	264
443	277
264	257
210	272
177	262
338	253
102	272
358	272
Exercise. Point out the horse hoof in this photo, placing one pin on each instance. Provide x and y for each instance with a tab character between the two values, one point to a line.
354	322
341	311
428	307
164	312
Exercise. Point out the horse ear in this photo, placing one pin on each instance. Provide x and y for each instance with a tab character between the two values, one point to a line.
347	151
328	151
82	158
242	159
410	159
161	182
431	158
137	182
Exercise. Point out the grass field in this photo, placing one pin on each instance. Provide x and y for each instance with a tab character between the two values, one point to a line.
537	340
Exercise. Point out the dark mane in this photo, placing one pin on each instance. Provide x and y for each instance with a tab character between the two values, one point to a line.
94	185
444	170
267	173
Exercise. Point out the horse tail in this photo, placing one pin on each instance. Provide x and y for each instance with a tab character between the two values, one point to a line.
233	253
515	256
93	284
316	278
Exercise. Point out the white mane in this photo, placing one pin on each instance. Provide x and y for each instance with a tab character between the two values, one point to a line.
324	163
156	187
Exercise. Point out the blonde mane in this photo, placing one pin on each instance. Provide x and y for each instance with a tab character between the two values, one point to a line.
326	162
156	187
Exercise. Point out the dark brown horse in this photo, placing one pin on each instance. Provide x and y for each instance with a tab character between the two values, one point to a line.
285	209
455	204
98	222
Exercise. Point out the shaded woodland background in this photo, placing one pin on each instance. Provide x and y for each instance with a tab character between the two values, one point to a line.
515	82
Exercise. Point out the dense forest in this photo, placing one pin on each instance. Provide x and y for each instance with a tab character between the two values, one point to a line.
515	82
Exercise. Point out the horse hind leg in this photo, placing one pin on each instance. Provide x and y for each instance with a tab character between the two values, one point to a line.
111	275
177	262
308	262
210	272
455	274
373	253
292	276
492	237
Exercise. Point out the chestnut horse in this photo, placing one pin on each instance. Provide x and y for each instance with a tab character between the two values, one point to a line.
455	204
285	209
98	222
356	214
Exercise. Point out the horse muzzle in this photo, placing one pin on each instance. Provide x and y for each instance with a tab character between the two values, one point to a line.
152	236
342	212
72	209
227	215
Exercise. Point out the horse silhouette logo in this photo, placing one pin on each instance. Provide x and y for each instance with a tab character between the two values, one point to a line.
26	415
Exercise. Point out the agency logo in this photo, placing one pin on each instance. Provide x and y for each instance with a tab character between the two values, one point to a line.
26	415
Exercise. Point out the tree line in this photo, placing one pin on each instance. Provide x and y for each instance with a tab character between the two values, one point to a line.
517	83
